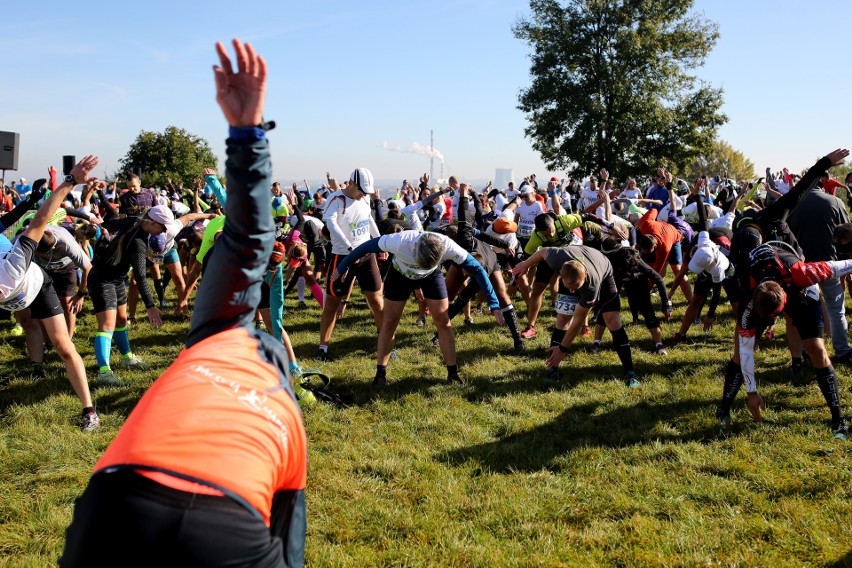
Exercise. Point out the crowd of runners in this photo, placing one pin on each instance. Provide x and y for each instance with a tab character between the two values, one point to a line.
778	246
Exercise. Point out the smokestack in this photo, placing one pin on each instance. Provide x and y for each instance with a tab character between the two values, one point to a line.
431	154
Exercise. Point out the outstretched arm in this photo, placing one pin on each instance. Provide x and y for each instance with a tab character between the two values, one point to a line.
228	297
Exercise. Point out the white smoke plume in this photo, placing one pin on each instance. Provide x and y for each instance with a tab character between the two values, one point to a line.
415	148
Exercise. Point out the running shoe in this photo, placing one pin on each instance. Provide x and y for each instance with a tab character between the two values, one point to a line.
421	321
844	359
37	371
454	380
677	339
107	377
661	350
596	346
322	355
435	339
394	355
723	418
840	428
17	330
520	347
90	422
796	370
132	362
302	305
529	332
586	331
468	321
631	380
164	305
552	376
380	381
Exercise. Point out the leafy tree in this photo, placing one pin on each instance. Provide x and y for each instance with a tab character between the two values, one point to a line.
174	153
719	158
610	84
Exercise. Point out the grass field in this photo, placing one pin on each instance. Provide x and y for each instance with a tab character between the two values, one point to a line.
500	472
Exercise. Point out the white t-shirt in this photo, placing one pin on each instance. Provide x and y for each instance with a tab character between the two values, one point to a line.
20	281
179	208
526	215
634	193
403	246
500	201
349	221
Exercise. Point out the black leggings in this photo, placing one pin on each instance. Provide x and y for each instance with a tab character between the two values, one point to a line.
125	519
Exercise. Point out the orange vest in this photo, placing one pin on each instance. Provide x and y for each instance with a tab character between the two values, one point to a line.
216	415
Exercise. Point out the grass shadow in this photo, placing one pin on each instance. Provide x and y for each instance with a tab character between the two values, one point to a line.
582	427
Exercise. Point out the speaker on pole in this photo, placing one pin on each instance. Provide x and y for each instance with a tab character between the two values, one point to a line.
138	171
68	163
9	143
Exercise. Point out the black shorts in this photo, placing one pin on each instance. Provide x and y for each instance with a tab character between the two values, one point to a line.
65	283
264	296
366	271
318	252
124	519
704	283
806	314
608	299
398	287
543	273
107	295
46	303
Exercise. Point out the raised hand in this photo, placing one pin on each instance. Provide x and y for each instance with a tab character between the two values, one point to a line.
241	95
604	174
84	167
837	156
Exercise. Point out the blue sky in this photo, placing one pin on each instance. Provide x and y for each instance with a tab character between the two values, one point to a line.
347	76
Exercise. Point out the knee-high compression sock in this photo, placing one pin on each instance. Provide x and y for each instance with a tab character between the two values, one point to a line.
511	317
456	306
122	341
316	292
103	345
733	382
622	347
827	381
159	289
300	288
556	336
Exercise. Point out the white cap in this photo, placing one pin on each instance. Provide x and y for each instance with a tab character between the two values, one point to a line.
363	178
526	190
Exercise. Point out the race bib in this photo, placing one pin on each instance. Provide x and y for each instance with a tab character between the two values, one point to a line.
15	303
566	304
526	227
359	230
812	292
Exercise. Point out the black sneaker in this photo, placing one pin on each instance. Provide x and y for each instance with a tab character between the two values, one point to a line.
37	371
677	339
454	380
380	381
796	371
322	355
723	418
552	376
840	428
844	359
435	339
520	347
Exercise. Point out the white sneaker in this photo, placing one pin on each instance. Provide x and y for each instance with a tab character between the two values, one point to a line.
132	362
107	377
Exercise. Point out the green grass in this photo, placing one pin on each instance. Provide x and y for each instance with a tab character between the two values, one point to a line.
500	472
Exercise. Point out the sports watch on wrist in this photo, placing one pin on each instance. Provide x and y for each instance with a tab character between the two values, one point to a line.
70	179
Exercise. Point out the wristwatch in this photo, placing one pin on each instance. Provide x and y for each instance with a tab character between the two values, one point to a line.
70	179
562	348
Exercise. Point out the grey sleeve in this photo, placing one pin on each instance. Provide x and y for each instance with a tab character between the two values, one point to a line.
69	247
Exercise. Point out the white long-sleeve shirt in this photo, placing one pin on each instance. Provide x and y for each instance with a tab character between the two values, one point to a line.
350	222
